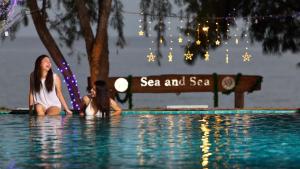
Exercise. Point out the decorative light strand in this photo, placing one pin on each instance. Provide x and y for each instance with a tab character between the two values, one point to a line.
261	17
247	56
205	30
198	42
180	38
170	54
70	82
140	30
188	55
226	45
218	41
151	57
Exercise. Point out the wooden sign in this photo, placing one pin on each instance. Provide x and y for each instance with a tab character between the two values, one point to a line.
173	83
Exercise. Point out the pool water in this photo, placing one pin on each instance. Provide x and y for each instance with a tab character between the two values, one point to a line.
151	141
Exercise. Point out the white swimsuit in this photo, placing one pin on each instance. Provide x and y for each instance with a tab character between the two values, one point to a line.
89	111
45	98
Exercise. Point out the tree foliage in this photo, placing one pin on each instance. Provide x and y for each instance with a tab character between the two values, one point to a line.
273	23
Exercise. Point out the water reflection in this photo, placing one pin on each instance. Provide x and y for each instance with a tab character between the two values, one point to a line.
174	137
152	141
205	141
46	133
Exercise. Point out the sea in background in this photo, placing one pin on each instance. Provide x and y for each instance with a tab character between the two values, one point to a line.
280	87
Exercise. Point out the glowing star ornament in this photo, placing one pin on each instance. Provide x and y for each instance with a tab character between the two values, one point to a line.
188	55
205	28
170	56
206	56
180	40
141	33
218	42
151	57
198	42
246	57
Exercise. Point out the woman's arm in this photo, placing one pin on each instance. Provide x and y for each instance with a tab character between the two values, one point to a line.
60	95
30	96
85	102
114	105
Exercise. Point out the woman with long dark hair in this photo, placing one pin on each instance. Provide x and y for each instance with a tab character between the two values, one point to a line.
45	93
99	102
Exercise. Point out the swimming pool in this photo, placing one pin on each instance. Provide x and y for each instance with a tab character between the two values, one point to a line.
145	140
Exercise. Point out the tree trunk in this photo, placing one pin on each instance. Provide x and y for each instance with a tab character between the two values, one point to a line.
96	48
104	65
99	63
55	53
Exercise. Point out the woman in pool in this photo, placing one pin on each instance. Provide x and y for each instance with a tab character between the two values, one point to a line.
45	93
99	102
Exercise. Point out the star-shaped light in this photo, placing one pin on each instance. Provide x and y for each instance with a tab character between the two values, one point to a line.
180	40
206	56
205	28
170	56
246	57
141	33
198	42
188	55
151	57
218	42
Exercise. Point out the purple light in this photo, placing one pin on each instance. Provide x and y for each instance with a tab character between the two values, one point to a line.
11	10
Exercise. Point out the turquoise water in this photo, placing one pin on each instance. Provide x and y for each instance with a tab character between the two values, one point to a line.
151	141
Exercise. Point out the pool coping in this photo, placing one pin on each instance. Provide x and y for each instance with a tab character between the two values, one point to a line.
163	111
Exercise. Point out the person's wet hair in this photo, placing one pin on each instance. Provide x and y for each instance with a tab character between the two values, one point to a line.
102	97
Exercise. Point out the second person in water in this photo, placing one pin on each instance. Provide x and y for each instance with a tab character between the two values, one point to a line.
99	102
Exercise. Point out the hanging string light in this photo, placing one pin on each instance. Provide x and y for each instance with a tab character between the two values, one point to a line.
151	57
226	44
247	56
140	30
205	30
180	39
261	17
236	39
198	42
188	55
218	41
170	54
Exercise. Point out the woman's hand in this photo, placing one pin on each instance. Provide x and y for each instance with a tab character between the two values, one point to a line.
68	111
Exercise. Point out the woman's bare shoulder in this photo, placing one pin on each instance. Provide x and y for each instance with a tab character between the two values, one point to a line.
86	100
